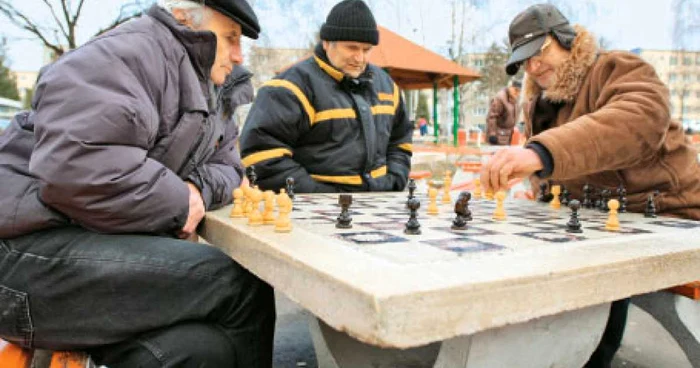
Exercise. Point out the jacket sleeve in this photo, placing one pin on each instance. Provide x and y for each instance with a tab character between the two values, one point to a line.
278	117
222	173
626	127
94	121
400	149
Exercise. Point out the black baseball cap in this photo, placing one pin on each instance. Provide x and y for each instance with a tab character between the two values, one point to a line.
241	12
529	30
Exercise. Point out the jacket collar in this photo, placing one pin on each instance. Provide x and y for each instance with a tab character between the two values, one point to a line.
361	82
571	74
199	45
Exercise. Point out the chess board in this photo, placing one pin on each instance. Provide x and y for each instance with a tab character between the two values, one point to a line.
378	222
390	289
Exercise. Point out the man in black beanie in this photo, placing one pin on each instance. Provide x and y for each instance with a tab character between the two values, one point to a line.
333	122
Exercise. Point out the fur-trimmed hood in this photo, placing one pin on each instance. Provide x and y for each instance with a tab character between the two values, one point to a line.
571	74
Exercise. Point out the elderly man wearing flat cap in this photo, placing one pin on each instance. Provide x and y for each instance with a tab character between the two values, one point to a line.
595	117
119	157
333	122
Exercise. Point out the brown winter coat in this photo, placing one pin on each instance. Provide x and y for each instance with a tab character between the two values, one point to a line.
613	127
503	115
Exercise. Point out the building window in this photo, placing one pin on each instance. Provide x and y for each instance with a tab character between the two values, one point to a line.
686	78
479	111
673	60
672	77
687	60
697	94
686	93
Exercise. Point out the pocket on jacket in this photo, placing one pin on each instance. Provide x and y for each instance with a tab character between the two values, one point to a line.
15	322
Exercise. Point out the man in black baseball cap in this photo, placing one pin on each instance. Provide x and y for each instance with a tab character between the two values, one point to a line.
596	119
529	30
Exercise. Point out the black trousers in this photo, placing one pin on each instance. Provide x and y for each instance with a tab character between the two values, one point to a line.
612	336
134	300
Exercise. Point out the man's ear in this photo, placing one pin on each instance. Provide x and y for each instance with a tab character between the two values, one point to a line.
182	17
325	45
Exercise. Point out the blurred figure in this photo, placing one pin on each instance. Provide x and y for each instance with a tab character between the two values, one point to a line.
503	115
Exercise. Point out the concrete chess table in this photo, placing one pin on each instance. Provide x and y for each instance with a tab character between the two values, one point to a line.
521	292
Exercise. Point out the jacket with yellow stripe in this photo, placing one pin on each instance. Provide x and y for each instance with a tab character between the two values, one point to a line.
330	132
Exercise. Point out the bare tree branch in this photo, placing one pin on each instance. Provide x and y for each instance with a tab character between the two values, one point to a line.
55	17
22	21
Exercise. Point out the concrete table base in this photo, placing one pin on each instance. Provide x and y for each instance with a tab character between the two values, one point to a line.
564	340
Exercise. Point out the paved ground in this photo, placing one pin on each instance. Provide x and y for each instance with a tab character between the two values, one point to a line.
646	344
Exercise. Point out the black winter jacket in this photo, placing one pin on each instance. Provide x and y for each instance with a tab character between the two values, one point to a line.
329	132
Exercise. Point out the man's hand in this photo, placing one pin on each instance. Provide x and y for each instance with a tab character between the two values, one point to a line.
508	165
195	213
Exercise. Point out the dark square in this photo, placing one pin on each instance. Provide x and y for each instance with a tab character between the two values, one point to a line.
623	230
463	245
677	224
383	225
370	237
552	237
470	231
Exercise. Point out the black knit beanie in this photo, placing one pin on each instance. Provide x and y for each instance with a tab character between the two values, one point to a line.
350	20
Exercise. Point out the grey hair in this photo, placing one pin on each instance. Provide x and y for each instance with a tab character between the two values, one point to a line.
195	10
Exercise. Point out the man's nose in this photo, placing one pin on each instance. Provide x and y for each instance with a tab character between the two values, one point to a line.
532	65
236	55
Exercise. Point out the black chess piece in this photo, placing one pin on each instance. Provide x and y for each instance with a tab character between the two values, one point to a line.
251	175
564	196
650	210
587	203
411	190
622	197
574	225
543	192
290	187
344	220
604	198
463	214
412	226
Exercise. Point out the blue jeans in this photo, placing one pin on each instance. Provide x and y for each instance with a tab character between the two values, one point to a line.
134	300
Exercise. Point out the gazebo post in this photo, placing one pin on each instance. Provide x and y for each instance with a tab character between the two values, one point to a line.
435	111
455	118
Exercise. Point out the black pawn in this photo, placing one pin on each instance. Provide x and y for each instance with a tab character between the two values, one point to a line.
252	176
543	193
587	203
622	197
650	210
574	225
463	214
290	187
564	196
604	198
412	226
344	220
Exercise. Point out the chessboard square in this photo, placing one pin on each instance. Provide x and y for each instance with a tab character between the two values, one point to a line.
383	225
543	225
622	230
470	231
370	237
336	212
314	219
677	224
551	236
464	245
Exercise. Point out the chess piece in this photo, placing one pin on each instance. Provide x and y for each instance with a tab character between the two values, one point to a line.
269	214
251	175
613	223
555	203
650	210
587	203
500	212
564	198
463	214
477	188
543	192
432	206
411	190
574	225
604	199
247	201
446	188
622	197
489	195
290	187
237	210
344	220
283	224
412	226
255	218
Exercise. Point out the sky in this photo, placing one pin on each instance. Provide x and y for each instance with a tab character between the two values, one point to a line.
624	24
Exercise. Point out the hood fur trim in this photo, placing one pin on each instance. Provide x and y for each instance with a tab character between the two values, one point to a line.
571	73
